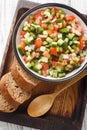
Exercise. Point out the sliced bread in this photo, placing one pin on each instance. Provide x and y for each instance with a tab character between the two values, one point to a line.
13	93
5	106
23	79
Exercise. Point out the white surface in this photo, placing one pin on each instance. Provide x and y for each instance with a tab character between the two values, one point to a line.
7	9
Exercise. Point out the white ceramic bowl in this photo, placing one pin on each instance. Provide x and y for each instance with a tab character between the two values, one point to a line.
16	39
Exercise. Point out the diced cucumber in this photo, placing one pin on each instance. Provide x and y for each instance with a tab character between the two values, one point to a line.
49	40
60	35
60	75
64	30
20	50
75	42
26	42
50	26
37	67
67	51
60	42
70	35
31	16
60	20
53	73
60	58
44	59
42	48
58	49
59	69
75	38
55	39
54	44
29	58
26	28
61	11
45	43
32	28
28	65
60	25
53	13
27	53
39	30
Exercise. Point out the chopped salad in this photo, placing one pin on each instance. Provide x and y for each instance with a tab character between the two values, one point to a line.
52	43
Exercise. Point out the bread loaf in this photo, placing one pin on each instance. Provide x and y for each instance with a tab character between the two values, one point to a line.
12	92
5	106
23	79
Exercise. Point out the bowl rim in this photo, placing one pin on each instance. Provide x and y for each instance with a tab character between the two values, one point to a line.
18	25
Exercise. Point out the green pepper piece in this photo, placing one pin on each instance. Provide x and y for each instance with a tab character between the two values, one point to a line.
65	44
64	30
39	30
31	16
20	50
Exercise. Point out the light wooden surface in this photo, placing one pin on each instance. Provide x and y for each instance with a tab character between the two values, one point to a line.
7	9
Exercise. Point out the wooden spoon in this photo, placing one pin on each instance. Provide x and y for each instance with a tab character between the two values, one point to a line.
42	104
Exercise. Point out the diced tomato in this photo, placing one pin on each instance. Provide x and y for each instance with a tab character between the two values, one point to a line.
38	43
63	63
53	51
70	18
56	26
54	63
25	58
44	73
34	54
54	9
64	24
57	15
54	34
79	28
82	42
46	54
38	19
50	31
42	12
81	60
22	34
22	45
44	25
45	66
31	20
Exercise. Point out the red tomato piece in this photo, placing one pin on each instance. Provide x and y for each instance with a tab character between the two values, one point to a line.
23	45
54	34
57	15
25	58
54	9
46	54
54	63
45	66
38	43
44	25
82	42
50	31
34	54
56	26
70	18
53	51
22	34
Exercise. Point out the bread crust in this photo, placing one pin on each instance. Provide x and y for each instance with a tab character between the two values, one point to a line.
20	77
7	94
6	105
